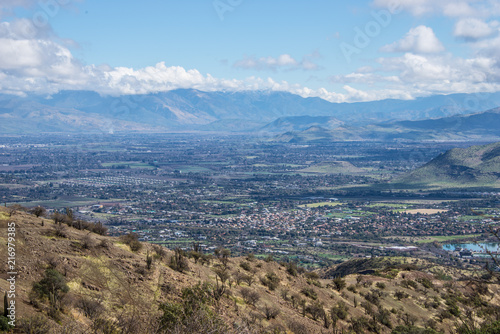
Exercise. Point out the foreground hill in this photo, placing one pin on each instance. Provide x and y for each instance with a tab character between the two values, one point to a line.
478	126
189	109
76	281
472	166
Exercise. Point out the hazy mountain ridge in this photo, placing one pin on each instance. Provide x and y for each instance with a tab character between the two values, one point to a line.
479	126
188	109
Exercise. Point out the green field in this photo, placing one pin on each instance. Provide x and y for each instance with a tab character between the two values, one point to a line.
193	169
320	204
57	203
442	238
389	205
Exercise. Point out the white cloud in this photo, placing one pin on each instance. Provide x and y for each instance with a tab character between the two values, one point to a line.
284	61
473	29
451	8
418	40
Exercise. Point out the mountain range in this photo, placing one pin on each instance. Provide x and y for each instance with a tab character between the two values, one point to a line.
477	126
193	110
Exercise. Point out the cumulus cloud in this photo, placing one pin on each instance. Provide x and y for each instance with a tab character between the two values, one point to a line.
474	29
441	74
418	40
451	8
284	61
31	62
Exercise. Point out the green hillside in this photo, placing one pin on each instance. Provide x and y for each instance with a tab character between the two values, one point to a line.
472	166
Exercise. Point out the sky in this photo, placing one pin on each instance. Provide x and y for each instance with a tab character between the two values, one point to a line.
340	51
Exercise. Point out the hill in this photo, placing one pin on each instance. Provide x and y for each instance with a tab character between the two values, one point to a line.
472	166
301	123
478	126
72	280
193	110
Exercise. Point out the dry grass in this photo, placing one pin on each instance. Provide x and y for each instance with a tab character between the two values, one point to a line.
119	279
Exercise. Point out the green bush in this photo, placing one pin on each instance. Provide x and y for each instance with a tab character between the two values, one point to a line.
271	280
246	266
53	286
192	314
309	292
339	311
4	323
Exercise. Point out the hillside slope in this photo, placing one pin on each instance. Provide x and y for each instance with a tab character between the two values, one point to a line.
472	166
110	289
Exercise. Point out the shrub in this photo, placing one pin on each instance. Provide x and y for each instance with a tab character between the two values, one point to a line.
91	308
271	312
384	317
38	211
291	268
309	292
250	257
132	240
352	288
271	280
373	297
160	251
53	286
60	231
192	314
315	310
4	323
37	324
380	285
298	328
406	283
222	273
401	295
339	283
178	261
339	311
246	266
250	296
426	283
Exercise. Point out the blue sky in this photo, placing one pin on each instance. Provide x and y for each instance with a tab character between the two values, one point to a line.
339	51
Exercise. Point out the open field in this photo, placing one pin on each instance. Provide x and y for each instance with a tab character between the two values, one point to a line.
437	238
320	204
424	211
127	164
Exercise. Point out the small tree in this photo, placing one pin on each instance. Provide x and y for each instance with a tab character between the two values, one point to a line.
178	261
222	273
271	280
271	312
53	286
5	305
339	283
250	296
38	211
149	260
316	310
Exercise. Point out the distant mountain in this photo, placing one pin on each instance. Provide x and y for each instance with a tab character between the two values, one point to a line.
300	123
475	165
189	109
479	126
